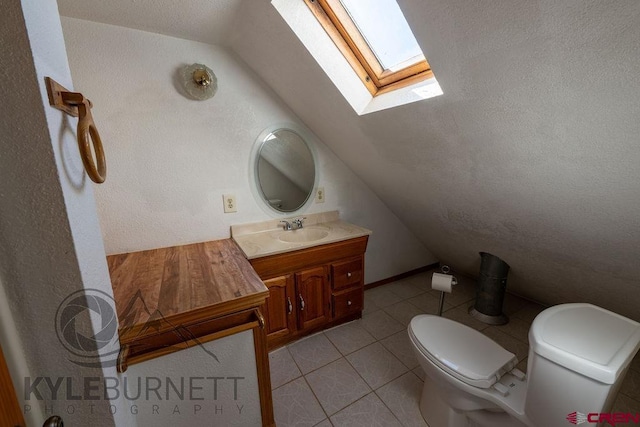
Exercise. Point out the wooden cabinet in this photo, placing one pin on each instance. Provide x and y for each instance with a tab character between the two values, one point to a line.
312	289
312	286
278	308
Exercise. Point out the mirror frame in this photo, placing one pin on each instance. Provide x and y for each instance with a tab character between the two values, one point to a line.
309	140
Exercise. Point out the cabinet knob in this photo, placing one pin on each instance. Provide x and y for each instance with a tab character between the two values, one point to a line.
301	302
290	305
349	274
349	302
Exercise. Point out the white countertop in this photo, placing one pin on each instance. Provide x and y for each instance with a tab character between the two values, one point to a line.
264	238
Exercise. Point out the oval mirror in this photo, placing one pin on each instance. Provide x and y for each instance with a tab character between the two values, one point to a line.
285	170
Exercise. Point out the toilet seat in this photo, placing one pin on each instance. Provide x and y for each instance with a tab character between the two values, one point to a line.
461	351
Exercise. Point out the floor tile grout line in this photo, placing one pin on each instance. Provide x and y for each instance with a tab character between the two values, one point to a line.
307	381
422	291
387	406
417	376
368	345
321	366
316	397
386	348
391	355
392	380
348	323
409	370
286	347
379	398
354	369
326	364
288	382
294	360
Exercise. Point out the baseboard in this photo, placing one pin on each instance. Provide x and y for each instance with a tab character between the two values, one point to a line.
401	276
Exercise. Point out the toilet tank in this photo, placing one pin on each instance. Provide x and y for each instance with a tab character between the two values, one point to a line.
578	357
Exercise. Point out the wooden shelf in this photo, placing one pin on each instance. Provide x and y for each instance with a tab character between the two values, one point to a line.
173	298
159	289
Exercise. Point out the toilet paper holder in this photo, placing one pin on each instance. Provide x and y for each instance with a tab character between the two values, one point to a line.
445	270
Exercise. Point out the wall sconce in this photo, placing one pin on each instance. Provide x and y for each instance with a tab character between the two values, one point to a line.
199	81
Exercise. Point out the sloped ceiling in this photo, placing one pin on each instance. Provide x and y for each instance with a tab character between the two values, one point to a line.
532	153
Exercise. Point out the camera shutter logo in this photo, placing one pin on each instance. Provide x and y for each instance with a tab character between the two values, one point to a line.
75	333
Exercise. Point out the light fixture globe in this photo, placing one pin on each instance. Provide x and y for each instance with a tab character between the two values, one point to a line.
199	81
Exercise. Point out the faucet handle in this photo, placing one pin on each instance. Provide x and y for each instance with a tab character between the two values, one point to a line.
298	221
286	225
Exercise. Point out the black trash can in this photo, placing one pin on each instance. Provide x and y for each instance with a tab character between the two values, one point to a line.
490	289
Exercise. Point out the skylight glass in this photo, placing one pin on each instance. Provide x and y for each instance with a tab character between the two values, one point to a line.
386	31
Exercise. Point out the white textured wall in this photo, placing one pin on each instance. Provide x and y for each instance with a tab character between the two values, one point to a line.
532	152
50	243
171	159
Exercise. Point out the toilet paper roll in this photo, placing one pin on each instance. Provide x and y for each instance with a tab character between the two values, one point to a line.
443	282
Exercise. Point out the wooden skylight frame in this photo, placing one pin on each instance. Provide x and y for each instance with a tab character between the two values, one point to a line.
343	31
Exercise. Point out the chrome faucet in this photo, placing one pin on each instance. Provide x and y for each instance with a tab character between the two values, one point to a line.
298	222
286	225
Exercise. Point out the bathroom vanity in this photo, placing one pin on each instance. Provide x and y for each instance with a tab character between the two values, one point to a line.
213	309
315	274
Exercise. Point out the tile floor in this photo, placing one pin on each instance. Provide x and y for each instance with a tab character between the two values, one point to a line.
364	373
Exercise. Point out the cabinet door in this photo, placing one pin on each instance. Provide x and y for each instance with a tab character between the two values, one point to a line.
279	309
312	286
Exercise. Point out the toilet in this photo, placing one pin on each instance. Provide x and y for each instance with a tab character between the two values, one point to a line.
579	355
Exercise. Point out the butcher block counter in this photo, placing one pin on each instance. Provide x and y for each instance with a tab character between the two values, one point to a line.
173	298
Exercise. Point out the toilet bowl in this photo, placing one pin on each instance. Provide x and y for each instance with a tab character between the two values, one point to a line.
578	357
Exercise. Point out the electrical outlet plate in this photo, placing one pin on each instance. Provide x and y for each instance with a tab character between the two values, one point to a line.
229	202
320	195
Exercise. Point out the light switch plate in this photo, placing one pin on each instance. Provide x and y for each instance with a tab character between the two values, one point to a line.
320	195
229	202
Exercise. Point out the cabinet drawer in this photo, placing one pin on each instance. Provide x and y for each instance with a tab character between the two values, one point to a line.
347	302
347	273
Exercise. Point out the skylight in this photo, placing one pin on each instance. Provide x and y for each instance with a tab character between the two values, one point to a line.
368	80
376	40
386	32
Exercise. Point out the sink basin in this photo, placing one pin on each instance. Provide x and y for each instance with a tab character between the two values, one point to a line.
303	235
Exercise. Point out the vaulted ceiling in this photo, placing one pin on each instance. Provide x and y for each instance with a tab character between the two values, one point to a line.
532	153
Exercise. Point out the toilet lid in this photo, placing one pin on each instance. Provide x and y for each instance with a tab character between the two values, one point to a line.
587	339
461	351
